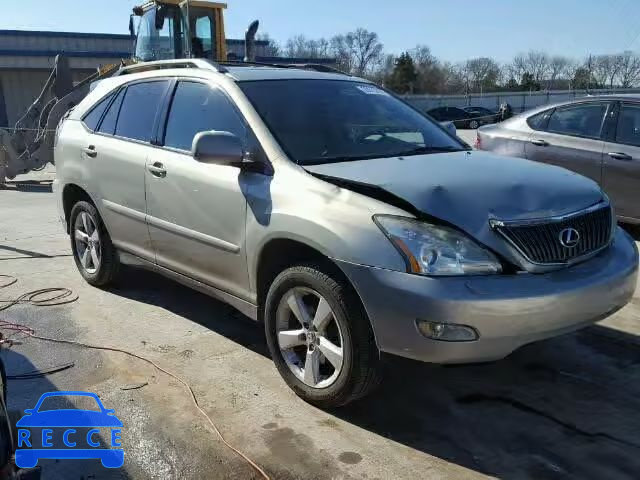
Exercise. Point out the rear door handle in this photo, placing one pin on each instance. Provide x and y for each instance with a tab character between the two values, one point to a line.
90	151
540	143
157	170
620	156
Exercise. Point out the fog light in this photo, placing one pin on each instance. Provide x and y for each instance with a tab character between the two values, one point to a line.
447	332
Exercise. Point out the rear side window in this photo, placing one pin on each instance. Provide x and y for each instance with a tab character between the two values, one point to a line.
92	119
629	125
197	107
108	124
539	120
583	120
139	108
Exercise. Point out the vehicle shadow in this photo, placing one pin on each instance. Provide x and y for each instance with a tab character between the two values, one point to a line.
147	287
565	407
23	394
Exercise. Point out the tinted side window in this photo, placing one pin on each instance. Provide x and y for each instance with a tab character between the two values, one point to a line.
582	120
629	125
108	124
92	119
456	114
539	120
197	108
138	112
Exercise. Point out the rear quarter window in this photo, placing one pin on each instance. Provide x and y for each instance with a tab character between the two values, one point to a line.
92	119
539	120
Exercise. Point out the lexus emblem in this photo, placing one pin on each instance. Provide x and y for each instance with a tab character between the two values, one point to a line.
569	237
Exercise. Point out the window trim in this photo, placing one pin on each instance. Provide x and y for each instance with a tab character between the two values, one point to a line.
608	105
170	81
543	127
437	123
113	93
614	136
161	131
118	91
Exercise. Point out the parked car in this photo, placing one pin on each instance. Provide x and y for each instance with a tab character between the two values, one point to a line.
346	221
598	137
487	115
458	116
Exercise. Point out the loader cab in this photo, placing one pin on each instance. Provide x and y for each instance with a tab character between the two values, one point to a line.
174	29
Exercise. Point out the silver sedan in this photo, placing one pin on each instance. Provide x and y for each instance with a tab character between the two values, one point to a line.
598	137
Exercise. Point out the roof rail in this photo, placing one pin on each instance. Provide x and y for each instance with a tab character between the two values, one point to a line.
318	67
167	64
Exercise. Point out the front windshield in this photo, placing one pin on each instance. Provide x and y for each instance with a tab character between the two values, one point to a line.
160	43
322	121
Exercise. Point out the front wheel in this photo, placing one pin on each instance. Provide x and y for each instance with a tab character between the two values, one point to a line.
473	124
320	338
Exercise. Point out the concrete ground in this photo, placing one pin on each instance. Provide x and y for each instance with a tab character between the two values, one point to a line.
563	408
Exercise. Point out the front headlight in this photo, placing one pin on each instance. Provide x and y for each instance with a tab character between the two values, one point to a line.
436	250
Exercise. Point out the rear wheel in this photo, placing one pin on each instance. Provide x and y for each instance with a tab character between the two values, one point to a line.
94	254
473	124
320	338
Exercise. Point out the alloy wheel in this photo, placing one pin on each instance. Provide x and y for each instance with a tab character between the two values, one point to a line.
310	337
87	240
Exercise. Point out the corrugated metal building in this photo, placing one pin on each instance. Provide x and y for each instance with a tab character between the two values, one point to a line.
27	57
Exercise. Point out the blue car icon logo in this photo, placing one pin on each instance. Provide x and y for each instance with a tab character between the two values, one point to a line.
65	425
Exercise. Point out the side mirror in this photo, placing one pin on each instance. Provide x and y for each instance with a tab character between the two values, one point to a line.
132	29
221	148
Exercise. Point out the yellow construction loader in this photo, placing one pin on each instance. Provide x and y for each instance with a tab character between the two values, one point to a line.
166	29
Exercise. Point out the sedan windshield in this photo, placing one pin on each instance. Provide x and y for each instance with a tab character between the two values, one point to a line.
323	121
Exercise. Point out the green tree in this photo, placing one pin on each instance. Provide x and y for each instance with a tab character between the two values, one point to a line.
404	76
583	79
529	82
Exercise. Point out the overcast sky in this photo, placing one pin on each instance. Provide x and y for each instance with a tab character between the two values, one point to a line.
454	29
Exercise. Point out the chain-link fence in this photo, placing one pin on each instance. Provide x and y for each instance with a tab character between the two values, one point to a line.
519	101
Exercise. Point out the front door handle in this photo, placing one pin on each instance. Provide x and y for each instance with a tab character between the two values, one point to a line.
540	143
157	170
90	151
620	156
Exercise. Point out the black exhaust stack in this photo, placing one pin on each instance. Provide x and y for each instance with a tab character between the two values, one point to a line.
250	42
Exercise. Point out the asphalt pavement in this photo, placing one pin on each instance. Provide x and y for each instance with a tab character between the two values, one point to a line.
562	408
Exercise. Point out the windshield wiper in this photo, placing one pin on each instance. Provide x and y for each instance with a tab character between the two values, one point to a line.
341	158
429	149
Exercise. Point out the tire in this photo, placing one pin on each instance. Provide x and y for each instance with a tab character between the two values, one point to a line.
100	273
348	329
473	124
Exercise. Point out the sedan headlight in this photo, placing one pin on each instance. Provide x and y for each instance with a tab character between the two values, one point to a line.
436	250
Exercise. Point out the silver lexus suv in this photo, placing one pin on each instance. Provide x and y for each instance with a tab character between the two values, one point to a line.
346	221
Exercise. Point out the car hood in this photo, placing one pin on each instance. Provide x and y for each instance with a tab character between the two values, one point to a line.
469	188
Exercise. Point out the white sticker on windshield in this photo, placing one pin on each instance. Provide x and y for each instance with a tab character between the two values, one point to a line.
371	90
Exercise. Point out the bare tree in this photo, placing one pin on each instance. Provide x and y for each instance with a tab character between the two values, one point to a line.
628	69
482	73
518	67
430	75
303	47
557	69
273	48
604	69
537	65
357	51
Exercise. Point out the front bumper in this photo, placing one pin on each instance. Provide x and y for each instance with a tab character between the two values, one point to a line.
507	311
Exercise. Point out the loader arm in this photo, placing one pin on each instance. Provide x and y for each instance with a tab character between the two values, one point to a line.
29	145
